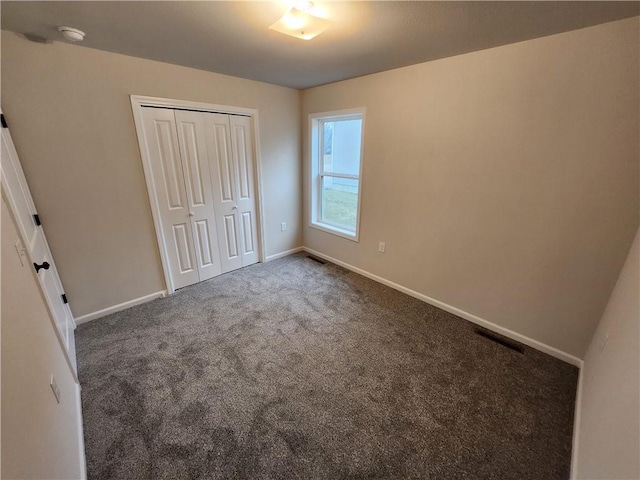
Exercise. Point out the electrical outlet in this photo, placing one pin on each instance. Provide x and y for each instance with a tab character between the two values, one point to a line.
283	226
381	247
55	389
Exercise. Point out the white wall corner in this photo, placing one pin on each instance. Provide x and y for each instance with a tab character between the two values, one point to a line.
576	428
283	254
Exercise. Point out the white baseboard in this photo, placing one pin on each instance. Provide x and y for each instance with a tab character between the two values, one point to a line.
576	427
284	254
122	306
554	352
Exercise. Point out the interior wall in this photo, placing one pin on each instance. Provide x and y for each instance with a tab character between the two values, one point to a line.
41	438
504	182
609	422
70	116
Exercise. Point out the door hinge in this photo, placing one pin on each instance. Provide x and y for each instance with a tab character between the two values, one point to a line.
64	298
4	122
36	220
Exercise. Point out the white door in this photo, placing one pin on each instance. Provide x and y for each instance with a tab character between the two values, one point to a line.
34	248
195	164
230	144
200	171
170	195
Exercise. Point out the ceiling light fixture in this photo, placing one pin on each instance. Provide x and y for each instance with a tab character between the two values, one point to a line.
71	34
299	22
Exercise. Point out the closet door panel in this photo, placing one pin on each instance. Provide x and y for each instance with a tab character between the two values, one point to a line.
222	159
225	191
196	167
170	166
181	238
247	232
170	195
191	158
231	236
203	243
242	159
242	152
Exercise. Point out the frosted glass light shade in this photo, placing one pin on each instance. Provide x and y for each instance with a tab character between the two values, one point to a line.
299	24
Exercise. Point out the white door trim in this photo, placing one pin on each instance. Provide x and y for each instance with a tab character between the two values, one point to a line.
140	101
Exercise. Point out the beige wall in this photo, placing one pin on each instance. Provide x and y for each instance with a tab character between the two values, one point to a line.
609	423
504	182
70	117
40	437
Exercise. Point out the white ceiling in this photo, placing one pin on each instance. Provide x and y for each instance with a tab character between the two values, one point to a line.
367	37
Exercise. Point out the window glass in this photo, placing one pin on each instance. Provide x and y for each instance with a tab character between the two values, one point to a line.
341	146
340	202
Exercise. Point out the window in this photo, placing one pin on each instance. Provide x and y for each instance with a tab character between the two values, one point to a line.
336	166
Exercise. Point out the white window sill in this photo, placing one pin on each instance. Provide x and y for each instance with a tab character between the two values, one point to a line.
340	232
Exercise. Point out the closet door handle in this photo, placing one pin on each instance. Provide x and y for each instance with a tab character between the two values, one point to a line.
235	207
44	266
191	214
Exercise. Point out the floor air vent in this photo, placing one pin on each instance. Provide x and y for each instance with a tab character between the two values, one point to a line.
495	338
316	259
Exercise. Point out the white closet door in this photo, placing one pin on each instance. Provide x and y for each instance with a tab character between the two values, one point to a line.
224	190
170	195
242	154
196	164
34	250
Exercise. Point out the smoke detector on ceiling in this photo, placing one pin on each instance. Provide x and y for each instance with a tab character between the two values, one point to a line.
71	34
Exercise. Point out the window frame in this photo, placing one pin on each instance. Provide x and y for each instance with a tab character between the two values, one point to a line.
317	173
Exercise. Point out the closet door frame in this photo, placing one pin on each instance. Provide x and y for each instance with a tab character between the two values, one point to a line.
138	102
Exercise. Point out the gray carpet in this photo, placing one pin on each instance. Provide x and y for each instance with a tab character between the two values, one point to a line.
293	369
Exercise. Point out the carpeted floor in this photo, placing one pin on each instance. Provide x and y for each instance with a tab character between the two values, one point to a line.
293	369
